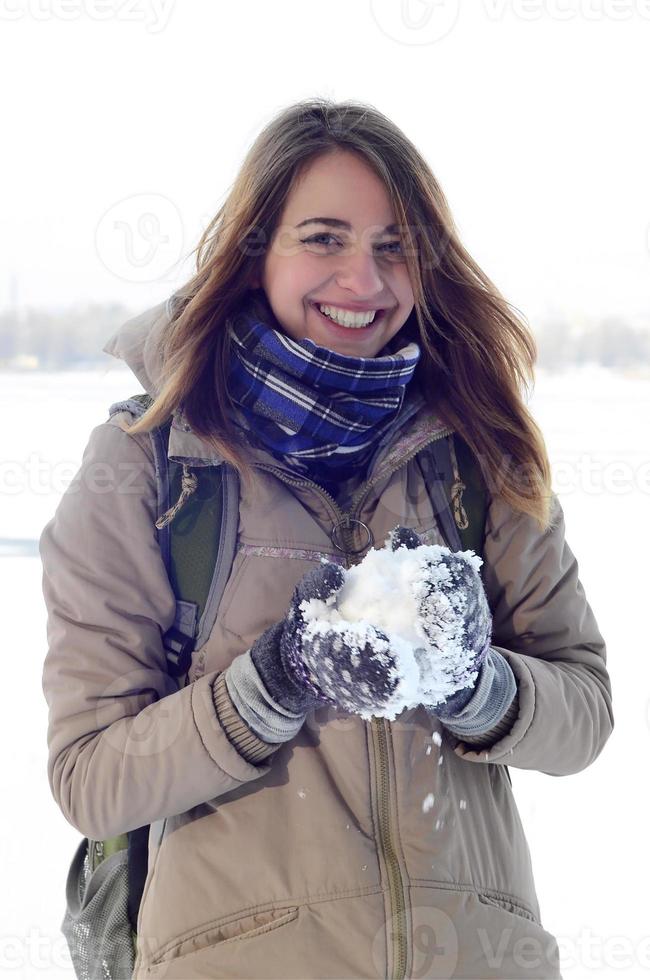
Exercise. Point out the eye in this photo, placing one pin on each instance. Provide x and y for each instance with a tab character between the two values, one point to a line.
389	245
389	248
312	240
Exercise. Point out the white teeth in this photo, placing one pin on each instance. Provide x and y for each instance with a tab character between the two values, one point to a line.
347	319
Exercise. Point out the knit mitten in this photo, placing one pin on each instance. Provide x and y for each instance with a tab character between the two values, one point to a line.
303	664
452	603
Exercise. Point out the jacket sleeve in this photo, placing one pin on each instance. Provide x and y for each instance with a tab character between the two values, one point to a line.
546	630
125	746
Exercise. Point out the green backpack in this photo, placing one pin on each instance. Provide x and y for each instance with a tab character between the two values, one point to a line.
198	542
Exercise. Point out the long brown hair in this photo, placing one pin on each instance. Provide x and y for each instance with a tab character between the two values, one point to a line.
477	353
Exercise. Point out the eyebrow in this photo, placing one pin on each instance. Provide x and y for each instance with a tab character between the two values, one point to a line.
337	223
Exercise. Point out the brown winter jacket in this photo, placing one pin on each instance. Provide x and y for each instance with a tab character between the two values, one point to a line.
357	849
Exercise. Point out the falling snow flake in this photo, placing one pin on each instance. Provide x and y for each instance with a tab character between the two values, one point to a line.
427	802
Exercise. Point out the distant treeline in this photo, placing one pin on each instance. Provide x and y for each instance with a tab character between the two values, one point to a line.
43	340
54	341
610	342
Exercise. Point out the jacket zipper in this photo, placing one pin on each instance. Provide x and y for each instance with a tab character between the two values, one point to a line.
397	925
365	487
363	490
381	731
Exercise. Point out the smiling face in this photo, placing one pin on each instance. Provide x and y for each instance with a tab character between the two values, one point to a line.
354	264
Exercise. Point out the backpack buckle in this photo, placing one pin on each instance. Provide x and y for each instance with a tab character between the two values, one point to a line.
179	648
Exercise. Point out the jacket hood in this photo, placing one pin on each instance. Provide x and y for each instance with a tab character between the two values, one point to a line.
138	341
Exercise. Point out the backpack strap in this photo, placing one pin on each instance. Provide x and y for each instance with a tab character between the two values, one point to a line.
457	491
468	494
203	540
197	542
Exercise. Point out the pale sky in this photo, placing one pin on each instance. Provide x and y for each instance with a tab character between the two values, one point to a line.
125	122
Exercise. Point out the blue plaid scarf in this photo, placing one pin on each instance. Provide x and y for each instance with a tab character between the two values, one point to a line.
318	411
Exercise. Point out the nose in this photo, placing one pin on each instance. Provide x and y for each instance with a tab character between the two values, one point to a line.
360	274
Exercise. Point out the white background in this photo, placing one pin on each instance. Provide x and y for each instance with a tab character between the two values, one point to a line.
125	128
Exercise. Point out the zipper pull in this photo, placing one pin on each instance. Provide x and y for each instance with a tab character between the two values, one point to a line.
457	487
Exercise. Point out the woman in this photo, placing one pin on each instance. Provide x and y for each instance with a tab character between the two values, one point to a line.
335	326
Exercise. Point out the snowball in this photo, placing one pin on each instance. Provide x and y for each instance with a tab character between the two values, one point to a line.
385	590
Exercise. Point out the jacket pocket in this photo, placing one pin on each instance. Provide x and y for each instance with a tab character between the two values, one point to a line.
508	904
262	922
259	589
233	930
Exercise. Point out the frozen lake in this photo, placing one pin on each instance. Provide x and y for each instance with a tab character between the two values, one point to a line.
587	832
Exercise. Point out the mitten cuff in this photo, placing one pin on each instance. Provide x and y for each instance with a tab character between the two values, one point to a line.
491	737
268	719
493	695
